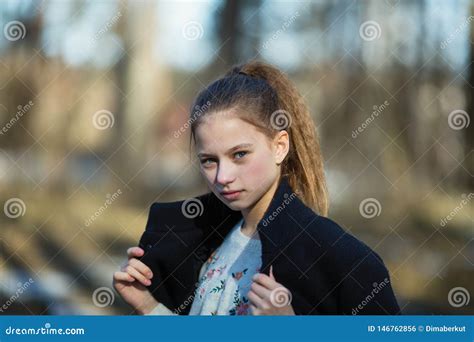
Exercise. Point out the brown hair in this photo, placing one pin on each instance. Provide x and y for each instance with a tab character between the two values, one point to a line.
266	98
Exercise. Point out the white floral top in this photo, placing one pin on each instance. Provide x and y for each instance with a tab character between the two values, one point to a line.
225	278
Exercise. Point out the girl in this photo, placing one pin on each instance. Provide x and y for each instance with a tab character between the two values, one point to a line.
259	243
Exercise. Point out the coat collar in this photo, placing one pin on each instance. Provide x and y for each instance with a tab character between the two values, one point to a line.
276	227
279	225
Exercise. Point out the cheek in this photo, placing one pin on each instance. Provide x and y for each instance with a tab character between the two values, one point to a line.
259	169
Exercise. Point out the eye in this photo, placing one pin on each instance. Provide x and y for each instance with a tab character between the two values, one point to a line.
240	154
206	162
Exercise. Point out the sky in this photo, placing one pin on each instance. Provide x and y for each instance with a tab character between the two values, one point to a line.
81	32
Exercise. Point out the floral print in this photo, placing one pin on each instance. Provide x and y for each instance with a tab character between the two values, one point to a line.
241	305
226	276
219	287
239	275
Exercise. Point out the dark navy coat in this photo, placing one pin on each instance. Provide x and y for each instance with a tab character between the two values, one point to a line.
327	270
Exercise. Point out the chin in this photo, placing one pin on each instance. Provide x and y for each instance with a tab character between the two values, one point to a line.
235	205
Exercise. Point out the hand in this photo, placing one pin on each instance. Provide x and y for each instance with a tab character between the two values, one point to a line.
268	297
131	281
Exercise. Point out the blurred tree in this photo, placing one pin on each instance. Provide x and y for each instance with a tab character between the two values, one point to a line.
469	148
234	29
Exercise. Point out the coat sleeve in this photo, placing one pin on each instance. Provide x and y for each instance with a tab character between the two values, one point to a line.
366	289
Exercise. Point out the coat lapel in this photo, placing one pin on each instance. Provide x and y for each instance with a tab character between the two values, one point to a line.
275	227
178	240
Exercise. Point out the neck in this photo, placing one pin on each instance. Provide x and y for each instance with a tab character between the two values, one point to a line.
254	214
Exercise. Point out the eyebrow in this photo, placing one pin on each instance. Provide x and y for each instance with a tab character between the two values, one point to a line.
230	150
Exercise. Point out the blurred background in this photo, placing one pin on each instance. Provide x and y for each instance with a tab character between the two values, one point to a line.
94	100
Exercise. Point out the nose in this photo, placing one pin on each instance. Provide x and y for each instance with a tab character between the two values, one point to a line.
225	174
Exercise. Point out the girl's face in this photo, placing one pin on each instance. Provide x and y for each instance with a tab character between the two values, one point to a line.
238	162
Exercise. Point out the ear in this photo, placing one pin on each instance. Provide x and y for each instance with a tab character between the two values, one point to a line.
281	145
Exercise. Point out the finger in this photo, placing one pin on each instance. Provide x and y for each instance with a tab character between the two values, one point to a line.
135	252
137	275
255	311
265	281
141	267
260	291
255	299
123	276
271	273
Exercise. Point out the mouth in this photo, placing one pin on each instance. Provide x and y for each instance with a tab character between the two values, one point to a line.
231	195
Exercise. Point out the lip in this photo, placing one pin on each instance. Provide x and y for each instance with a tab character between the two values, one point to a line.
231	195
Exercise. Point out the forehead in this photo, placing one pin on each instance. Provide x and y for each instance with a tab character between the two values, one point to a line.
222	131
